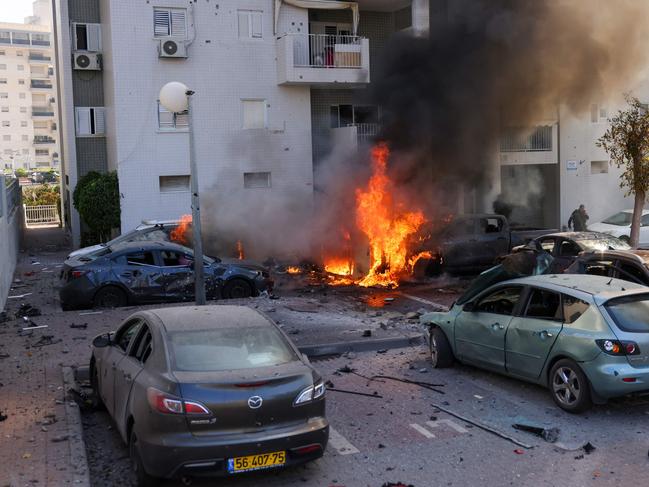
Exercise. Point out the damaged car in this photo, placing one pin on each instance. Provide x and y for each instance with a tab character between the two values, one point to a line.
628	265
208	391
585	338
153	272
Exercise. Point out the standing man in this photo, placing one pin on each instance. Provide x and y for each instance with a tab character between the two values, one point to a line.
578	219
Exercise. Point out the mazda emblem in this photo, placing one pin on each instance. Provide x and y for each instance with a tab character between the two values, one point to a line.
255	402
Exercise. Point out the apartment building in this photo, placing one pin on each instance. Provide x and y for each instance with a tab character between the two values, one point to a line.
28	103
268	76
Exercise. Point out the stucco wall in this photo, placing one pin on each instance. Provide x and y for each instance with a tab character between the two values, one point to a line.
10	234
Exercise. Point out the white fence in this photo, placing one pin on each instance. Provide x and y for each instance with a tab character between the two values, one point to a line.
326	51
534	139
41	215
366	132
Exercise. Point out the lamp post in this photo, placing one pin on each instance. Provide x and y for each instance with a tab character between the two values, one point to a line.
176	98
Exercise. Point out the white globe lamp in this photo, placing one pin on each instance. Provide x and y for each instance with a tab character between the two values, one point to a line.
173	97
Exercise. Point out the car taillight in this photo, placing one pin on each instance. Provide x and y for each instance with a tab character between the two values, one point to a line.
617	347
168	404
311	393
77	274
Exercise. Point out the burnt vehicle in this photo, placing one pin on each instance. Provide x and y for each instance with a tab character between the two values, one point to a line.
208	391
153	272
564	247
628	265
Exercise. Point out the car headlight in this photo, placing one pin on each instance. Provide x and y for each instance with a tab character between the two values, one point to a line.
311	393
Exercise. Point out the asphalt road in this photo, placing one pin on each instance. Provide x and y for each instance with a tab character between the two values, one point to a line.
403	437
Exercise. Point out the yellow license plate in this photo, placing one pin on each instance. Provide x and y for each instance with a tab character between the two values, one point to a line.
256	462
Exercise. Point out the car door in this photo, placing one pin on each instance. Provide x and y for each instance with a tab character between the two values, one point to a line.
492	240
178	275
531	335
139	272
480	330
127	371
460	242
111	360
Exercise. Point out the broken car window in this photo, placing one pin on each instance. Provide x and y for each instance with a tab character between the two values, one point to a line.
502	302
544	304
126	334
548	245
157	235
171	258
569	249
140	258
629	272
573	308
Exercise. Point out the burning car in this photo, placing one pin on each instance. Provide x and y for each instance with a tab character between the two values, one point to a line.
153	272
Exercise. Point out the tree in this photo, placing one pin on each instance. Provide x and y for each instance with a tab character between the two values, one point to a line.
627	143
96	198
21	173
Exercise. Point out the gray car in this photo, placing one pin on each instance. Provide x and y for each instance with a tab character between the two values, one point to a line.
211	390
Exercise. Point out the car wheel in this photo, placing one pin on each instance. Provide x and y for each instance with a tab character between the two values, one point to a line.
97	403
569	387
143	478
441	355
110	297
236	289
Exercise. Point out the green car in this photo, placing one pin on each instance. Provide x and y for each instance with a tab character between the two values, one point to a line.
584	337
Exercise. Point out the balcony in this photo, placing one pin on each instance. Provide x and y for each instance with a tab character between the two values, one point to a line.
43	139
323	60
528	145
41	84
353	136
42	112
38	58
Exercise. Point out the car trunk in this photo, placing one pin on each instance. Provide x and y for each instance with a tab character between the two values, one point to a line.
226	394
631	315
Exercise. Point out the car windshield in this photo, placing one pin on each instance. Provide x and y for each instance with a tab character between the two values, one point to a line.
125	237
220	349
630	313
89	257
622	218
606	243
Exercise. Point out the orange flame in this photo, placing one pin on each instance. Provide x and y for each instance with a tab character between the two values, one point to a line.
179	234
293	270
339	266
240	251
385	223
421	255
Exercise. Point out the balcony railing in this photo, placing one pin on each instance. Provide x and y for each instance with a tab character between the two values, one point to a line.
530	139
326	51
43	139
37	57
41	84
42	112
41	215
366	131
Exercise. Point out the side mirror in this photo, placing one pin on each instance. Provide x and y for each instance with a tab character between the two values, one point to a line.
468	306
102	341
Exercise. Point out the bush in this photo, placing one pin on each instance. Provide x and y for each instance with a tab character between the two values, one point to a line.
96	198
44	194
21	173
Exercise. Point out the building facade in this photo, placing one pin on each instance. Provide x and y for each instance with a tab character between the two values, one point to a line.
28	102
268	77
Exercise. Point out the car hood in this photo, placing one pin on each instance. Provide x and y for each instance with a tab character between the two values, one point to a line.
85	251
243	264
614	230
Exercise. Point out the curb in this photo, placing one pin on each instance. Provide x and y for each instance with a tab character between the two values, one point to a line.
78	459
361	346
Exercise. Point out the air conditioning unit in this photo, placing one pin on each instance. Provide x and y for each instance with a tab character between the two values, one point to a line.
172	48
87	61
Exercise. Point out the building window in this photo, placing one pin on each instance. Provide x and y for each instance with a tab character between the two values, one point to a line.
170	22
23	123
86	37
25	151
250	24
20	95
254	114
172	121
25	137
3	81
42	152
21	81
5	37
40	39
598	167
598	113
6	123
19	53
3	66
174	184
256	180
20	38
5	109
90	121
2	52
6	137
23	109
21	67
4	95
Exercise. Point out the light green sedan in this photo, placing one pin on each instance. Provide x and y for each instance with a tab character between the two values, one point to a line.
584	337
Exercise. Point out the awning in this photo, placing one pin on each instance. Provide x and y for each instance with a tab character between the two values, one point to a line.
322	5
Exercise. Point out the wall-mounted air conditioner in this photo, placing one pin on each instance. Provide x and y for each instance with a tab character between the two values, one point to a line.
172	48
87	61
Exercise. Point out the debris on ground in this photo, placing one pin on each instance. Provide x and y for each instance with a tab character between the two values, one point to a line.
588	448
518	451
80	327
425	385
4	317
551	435
44	341
413	315
367	333
60	438
19	296
27	310
3	416
398	484
356	393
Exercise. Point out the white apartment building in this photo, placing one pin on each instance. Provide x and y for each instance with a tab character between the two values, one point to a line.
28	105
268	76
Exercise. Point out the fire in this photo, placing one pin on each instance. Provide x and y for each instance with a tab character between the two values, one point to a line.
179	234
240	250
387	225
339	266
421	255
293	270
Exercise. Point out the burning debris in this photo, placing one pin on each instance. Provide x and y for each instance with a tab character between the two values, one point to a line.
180	234
241	255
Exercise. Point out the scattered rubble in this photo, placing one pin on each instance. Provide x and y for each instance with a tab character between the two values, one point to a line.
551	435
27	310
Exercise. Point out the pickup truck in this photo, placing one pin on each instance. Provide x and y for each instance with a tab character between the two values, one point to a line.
471	243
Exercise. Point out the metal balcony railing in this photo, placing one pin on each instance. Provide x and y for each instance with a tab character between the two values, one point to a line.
37	83
366	131
42	112
43	139
38	57
40	215
326	51
530	139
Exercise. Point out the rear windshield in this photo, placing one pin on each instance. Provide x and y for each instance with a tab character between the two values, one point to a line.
229	349
610	243
621	218
630	313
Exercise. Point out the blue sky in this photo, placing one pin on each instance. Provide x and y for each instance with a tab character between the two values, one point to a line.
15	10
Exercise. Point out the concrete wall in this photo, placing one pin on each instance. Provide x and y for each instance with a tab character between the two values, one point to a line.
11	224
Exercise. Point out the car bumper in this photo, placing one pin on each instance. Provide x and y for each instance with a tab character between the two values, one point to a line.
188	455
607	376
76	294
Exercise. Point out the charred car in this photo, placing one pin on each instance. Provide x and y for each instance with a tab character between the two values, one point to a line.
153	272
209	390
628	265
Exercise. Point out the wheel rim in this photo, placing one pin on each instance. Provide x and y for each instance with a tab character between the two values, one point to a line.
433	350
109	299
239	291
566	386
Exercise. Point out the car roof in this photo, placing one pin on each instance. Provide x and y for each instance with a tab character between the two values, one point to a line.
187	318
153	223
594	285
641	256
148	245
578	235
630	210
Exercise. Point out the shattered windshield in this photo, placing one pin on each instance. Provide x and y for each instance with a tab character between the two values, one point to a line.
622	218
610	243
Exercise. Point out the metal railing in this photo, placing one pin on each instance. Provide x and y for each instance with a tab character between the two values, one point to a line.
38	57
37	83
43	139
41	215
326	51
366	131
530	139
42	112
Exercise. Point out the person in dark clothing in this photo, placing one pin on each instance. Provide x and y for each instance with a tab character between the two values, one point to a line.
578	219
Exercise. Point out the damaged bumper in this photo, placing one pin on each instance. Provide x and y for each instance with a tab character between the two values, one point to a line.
614	376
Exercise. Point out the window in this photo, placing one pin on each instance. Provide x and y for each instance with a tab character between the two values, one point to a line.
40	39
86	37
3	66
254	114
23	123
174	184
19	53
170	22
490	225
256	180
250	24
5	109
20	38
174	259
6	138
461	227
630	313
4	95
598	113
42	152
598	167
569	249
598	268
345	115
630	272
172	121
5	37
127	333
3	81
573	308
25	137
21	81
20	95
544	304
90	121
21	67
6	123
502	302
140	258
23	109
141	349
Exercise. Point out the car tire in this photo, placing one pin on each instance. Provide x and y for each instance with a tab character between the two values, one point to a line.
569	387
137	467
97	402
110	297
237	289
441	355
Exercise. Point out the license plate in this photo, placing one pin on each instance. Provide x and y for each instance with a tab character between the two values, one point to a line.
256	462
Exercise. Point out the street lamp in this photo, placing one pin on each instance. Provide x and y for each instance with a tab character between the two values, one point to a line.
176	98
